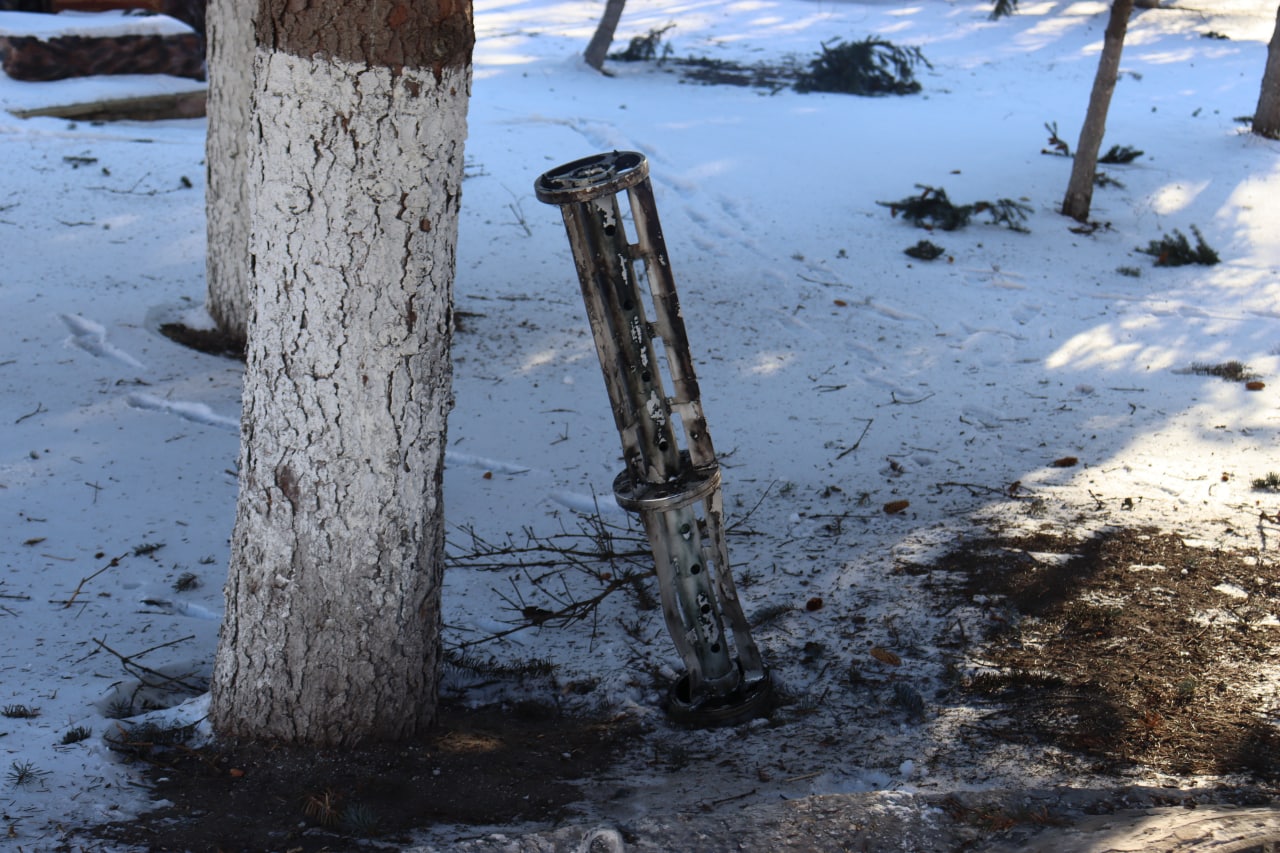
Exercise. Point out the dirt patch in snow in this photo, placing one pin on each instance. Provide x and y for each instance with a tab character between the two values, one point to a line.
211	341
1128	653
507	765
1131	649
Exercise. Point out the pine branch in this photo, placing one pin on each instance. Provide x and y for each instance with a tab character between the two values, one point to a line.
932	209
873	66
1175	250
1003	8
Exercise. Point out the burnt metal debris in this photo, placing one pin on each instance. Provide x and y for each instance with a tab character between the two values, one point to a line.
675	491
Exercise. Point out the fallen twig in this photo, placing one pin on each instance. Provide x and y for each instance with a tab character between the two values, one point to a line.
729	799
972	488
733	527
572	612
115	561
854	447
820	281
39	409
137	670
488	556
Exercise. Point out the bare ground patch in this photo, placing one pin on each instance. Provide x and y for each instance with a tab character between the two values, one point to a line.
1130	652
1131	649
489	766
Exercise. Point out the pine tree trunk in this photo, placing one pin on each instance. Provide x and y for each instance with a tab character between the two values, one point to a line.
1084	167
1266	118
598	48
332	633
229	56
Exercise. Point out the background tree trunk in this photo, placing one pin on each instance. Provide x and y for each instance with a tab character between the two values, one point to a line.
332	633
598	48
1084	167
1266	118
229	56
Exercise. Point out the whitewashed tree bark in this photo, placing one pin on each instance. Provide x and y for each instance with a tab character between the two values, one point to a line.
1084	167
332	632
1266	118
229	52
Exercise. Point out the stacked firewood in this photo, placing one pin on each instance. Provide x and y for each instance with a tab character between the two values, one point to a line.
59	56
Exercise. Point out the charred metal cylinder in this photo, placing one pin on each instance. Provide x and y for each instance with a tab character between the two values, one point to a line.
675	491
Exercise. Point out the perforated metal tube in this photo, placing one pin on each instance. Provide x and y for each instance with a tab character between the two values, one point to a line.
674	490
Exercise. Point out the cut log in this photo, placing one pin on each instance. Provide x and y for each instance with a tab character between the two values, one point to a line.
188	11
142	108
33	59
41	47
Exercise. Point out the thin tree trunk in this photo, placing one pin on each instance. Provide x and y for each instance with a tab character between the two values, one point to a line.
1084	167
332	633
603	38
1266	118
230	67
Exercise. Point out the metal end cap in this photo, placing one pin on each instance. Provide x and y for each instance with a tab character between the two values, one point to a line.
592	177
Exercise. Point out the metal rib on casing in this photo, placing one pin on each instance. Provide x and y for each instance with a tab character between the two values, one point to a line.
674	490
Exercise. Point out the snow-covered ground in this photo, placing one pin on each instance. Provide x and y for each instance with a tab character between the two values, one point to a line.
837	374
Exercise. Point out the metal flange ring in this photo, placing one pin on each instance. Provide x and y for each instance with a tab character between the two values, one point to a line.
693	485
746	703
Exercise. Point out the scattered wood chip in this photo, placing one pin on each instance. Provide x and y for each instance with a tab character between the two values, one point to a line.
895	507
1255	385
1065	462
885	656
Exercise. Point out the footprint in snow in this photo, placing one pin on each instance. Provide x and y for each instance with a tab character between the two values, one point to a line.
985	418
182	608
576	501
453	457
92	338
589	504
196	412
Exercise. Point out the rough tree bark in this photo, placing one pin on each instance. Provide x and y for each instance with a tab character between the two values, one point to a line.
1266	118
229	57
1084	167
598	48
356	155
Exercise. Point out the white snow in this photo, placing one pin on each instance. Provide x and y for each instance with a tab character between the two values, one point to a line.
837	374
71	24
1232	590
